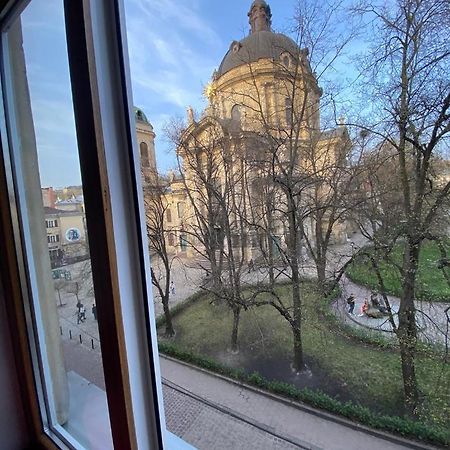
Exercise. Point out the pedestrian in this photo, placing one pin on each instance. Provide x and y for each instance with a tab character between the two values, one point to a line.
172	288
374	300
251	266
94	311
351	304
364	307
81	313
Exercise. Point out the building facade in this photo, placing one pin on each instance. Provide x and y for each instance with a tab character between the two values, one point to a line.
66	235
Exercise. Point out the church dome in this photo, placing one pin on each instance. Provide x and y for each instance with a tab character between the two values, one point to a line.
256	46
262	43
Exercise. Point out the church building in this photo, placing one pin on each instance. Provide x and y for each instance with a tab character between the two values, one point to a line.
258	137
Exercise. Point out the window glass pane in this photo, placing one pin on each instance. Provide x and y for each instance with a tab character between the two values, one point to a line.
296	250
51	199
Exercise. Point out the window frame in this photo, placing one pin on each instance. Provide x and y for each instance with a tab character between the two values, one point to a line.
97	47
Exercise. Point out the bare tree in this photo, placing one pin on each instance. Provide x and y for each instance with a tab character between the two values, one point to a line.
409	92
285	120
206	154
75	287
156	207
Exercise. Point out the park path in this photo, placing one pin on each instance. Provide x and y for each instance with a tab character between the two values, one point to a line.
432	317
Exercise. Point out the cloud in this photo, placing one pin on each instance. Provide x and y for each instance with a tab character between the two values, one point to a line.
171	50
167	49
178	15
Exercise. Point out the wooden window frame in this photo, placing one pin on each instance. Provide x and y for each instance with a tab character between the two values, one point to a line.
109	161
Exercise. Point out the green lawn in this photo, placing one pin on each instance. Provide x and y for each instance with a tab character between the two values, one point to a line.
341	366
431	283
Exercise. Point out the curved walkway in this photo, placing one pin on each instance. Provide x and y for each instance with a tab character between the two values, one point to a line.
432	317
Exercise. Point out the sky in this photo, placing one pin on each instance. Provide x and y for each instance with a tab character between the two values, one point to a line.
174	47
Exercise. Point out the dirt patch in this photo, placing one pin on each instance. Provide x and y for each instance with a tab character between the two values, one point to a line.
314	377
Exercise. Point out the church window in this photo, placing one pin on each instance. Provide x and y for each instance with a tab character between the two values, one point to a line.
183	242
288	110
144	153
180	209
169	215
236	113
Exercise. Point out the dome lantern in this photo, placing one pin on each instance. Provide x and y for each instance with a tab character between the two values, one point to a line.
260	16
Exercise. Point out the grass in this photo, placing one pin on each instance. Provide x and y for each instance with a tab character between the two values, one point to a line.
343	368
431	283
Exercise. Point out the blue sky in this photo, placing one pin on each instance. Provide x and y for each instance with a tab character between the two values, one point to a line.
174	46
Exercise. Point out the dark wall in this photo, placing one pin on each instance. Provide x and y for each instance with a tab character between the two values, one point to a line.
13	431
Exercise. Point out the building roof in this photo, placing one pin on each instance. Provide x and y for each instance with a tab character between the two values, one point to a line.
48	210
59	212
140	116
262	43
74	200
256	46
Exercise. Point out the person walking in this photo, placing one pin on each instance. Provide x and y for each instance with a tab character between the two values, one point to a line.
81	313
351	304
172	288
251	266
94	311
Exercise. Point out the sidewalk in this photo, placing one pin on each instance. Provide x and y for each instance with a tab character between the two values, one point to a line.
212	413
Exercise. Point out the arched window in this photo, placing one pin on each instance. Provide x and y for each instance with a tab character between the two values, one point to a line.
236	113
286	61
144	153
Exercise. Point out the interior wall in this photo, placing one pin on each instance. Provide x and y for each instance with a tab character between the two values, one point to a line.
13	430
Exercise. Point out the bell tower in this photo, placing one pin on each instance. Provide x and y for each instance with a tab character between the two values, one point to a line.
146	142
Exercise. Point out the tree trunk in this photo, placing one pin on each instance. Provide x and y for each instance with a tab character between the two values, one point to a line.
234	333
168	318
321	270
298	363
407	330
411	392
